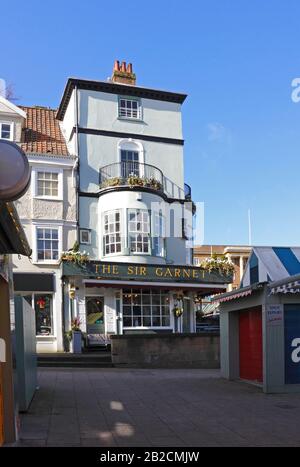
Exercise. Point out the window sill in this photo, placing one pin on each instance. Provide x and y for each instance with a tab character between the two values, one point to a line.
45	263
40	336
48	198
145	328
134	120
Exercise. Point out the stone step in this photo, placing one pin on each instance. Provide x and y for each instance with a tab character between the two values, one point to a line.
74	364
84	360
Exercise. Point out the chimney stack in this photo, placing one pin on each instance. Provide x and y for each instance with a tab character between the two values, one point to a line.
123	73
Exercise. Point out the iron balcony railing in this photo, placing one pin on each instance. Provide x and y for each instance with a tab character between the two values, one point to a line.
131	173
187	192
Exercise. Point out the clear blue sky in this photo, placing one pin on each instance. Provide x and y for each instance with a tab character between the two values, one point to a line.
234	58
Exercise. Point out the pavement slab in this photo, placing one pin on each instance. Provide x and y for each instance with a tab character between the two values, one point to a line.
136	407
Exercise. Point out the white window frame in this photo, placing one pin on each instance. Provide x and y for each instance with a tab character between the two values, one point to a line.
159	231
35	239
32	294
11	124
34	176
129	233
128	117
151	315
116	253
89	236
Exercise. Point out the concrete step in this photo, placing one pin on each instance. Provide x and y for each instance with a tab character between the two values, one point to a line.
84	360
74	364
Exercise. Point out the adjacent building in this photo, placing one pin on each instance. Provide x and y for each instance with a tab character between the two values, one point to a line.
237	254
48	215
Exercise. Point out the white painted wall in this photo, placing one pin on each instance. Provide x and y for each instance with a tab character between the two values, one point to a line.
97	151
99	110
91	214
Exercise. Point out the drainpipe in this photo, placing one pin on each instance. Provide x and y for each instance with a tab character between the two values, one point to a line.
77	163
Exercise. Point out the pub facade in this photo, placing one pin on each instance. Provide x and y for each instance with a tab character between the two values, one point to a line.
132	268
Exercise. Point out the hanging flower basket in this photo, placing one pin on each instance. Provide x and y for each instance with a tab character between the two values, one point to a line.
219	264
178	311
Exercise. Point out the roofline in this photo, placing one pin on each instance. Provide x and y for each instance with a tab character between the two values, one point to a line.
13	107
286	280
115	88
256	286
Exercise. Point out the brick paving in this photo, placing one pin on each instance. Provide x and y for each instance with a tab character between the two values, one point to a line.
131	407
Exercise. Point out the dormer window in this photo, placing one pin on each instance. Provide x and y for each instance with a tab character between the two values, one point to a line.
129	108
6	131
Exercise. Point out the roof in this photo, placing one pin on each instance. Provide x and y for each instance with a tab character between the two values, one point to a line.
271	264
11	108
238	293
115	88
42	133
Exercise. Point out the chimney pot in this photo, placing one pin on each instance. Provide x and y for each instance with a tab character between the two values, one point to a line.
123	73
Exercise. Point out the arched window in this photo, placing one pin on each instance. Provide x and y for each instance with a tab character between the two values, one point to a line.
131	156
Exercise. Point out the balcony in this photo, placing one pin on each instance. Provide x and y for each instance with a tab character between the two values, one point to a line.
187	192
132	174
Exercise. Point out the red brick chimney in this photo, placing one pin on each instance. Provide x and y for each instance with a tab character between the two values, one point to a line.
123	73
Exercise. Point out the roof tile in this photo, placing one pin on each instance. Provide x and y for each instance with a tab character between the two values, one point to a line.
42	133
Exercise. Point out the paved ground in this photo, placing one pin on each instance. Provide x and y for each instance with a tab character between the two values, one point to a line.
118	407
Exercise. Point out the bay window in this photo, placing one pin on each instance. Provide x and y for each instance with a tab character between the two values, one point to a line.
158	240
112	242
139	231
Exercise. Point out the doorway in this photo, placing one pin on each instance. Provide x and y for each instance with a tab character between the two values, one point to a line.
95	321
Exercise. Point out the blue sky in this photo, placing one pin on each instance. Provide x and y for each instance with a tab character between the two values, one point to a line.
235	59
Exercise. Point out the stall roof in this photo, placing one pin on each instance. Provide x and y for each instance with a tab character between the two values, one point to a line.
12	236
238	293
271	264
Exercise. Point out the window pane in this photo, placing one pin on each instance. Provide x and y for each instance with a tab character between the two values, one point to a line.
165	321
155	321
127	321
43	314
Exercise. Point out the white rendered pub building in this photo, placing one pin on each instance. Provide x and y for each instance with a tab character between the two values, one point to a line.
134	210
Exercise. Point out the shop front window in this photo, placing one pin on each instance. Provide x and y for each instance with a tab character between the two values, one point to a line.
43	314
145	308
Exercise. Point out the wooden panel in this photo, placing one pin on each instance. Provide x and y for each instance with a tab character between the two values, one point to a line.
250	342
1	409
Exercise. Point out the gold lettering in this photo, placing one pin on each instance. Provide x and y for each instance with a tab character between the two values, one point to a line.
158	272
168	272
97	268
195	274
115	269
143	271
106	269
177	272
186	273
130	270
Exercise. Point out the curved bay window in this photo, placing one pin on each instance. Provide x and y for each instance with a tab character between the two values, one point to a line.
145	308
139	231
112	232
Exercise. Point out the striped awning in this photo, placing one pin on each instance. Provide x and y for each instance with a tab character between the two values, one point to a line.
292	287
228	298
